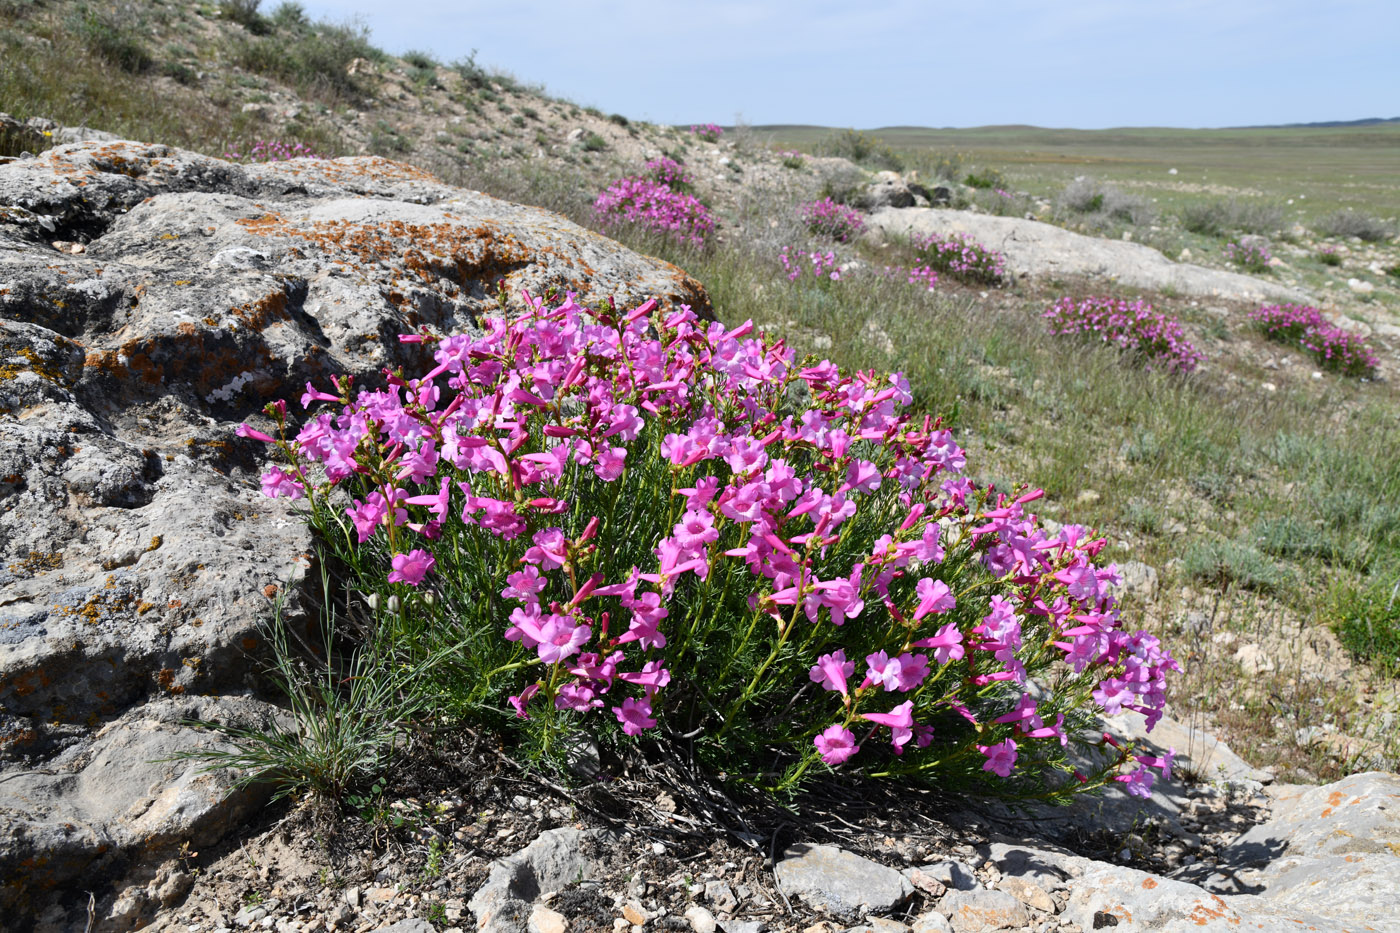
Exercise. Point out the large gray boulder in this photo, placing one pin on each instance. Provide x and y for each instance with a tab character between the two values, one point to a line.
1042	250
151	299
1327	859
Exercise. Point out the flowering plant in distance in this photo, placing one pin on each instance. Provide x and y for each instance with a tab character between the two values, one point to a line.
1304	327
829	218
654	206
962	257
1133	326
925	277
821	265
272	150
1253	255
639	523
709	132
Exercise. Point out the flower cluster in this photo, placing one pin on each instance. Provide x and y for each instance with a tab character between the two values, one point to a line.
962	257
272	150
1132	326
792	158
1249	254
1304	326
926	277
1328	255
830	219
821	265
690	529
669	172
709	132
654	206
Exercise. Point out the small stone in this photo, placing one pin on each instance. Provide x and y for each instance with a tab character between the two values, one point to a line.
952	874
926	882
983	911
840	883
931	922
352	896
544	920
1028	893
700	919
721	896
248	916
880	925
744	926
634	914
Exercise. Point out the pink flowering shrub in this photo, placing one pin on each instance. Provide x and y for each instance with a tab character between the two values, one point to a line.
1149	335
669	172
709	132
830	219
272	150
654	206
962	257
642	523
1304	327
1251	254
821	266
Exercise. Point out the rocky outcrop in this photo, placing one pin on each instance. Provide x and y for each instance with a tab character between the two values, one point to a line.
150	300
1042	250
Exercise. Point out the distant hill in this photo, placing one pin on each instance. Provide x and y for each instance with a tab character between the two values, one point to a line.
1325	124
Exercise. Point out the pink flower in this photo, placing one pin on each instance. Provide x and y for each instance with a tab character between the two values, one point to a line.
551	549
277	484
1001	757
947	644
523	700
836	744
934	596
1024	712
903	673
560	637
635	715
525	585
609	463
578	697
412	567
1112	694
254	434
695	530
832	671
901	723
1139	782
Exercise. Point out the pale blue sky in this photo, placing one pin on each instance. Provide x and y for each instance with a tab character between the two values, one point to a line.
870	63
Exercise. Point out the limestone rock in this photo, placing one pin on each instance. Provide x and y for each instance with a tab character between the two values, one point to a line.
1131	900
838	882
1033	248
1331	850
138	558
983	911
